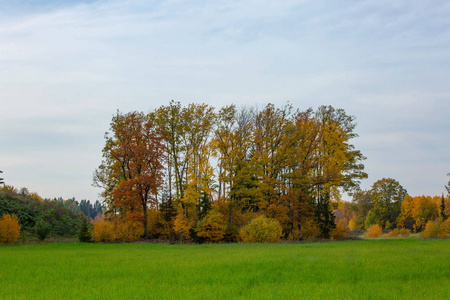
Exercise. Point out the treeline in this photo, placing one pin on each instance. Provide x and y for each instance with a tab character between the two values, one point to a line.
197	173
388	205
40	217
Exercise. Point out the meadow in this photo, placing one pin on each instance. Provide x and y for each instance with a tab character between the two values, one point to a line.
365	269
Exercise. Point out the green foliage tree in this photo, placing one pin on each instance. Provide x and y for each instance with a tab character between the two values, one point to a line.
42	229
363	201
387	195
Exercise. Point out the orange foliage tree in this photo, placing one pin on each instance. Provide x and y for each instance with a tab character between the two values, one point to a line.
131	172
9	229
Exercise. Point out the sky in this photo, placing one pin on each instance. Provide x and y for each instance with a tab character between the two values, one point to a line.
67	66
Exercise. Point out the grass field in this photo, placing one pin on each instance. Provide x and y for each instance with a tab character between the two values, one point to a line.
368	269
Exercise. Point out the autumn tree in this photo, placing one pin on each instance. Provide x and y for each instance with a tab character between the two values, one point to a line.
9	228
322	160
417	211
131	172
189	176
236	165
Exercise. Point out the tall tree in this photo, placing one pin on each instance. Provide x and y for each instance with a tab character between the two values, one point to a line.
132	168
442	213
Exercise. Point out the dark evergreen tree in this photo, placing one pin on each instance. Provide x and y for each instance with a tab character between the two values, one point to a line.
84	234
442	208
324	215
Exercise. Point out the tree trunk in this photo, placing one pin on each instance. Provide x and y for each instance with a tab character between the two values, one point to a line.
144	207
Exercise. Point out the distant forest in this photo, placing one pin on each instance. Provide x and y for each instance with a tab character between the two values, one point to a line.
61	217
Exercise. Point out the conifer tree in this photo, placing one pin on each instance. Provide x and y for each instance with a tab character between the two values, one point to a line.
442	208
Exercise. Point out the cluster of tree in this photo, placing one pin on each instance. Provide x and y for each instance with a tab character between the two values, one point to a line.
388	205
91	210
193	172
42	217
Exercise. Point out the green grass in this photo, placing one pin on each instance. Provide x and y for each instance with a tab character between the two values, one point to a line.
368	269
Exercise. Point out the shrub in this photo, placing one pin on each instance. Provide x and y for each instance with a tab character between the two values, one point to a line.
129	230
42	229
84	234
435	229
431	230
341	230
374	231
404	232
310	231
9	229
103	232
261	230
392	233
212	227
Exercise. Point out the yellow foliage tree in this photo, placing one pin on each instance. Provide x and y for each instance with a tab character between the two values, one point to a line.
352	224
182	225
9	229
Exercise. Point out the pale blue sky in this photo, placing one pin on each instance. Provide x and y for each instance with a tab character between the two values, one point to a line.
67	66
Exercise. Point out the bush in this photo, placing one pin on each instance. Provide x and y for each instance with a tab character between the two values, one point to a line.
404	232
84	234
42	229
392	233
129	230
261	230
310	231
435	229
103	232
341	230
9	229
212	227
374	231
